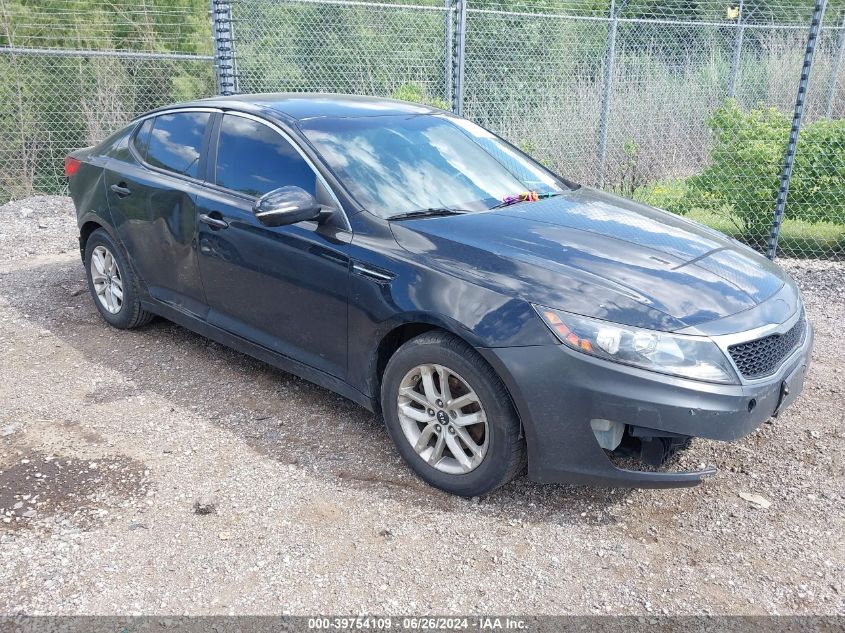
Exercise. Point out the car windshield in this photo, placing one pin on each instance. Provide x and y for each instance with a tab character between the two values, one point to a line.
398	164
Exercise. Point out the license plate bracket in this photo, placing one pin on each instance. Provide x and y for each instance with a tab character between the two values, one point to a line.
790	387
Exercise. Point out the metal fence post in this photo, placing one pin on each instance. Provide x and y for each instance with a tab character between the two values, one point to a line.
607	86
737	54
448	39
223	36
837	66
789	158
458	54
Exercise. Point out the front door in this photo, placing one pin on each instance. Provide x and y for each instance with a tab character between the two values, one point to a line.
284	288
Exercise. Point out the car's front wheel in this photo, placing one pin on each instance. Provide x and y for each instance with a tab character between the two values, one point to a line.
450	416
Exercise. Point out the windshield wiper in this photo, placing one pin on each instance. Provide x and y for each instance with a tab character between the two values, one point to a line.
431	212
512	200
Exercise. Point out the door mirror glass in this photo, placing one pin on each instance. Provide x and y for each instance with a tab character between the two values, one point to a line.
286	205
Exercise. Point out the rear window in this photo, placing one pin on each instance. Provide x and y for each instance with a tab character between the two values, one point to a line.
175	142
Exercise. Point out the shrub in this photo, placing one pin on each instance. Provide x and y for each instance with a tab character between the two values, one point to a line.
675	196
817	188
747	157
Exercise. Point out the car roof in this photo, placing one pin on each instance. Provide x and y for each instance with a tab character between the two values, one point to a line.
303	105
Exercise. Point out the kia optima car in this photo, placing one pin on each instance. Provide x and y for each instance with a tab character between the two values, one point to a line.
494	313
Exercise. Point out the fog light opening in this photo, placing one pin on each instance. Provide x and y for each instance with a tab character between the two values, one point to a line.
751	404
608	433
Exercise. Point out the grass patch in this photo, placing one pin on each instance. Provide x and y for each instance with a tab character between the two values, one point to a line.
800	238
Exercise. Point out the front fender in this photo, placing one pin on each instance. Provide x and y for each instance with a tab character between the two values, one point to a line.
390	286
417	294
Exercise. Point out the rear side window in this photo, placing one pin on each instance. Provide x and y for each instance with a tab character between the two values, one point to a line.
175	142
142	138
117	145
252	158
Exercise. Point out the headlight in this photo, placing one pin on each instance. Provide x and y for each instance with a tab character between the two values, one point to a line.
695	357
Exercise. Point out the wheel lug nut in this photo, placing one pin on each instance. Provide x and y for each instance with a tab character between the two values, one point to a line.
431	411
437	428
451	429
439	403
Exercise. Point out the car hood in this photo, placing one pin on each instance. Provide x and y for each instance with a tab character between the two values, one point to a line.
596	254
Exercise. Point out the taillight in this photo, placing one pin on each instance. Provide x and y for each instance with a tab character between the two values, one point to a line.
71	165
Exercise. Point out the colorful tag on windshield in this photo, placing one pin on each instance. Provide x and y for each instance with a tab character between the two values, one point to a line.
525	196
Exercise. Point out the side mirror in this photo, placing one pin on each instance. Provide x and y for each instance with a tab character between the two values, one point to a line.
286	205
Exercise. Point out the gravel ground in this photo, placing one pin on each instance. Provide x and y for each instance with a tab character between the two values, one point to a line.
156	472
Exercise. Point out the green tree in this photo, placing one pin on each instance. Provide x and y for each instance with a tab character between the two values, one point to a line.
51	104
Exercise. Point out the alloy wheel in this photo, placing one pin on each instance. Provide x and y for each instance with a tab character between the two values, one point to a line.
443	419
105	275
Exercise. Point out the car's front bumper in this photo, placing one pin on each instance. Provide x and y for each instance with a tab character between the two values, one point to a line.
557	392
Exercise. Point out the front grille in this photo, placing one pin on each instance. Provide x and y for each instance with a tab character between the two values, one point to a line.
763	357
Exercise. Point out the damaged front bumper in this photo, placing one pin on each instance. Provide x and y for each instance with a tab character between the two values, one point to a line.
559	392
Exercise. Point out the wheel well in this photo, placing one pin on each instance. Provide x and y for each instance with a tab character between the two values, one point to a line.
393	341
85	232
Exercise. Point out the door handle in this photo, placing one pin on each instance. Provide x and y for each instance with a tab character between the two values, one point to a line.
214	223
121	190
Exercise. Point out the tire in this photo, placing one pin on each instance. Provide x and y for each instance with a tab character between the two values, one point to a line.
499	453
109	273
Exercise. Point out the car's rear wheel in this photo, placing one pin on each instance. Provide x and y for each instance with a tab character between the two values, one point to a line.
450	416
113	283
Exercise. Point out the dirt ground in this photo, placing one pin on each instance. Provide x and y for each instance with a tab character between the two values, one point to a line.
156	472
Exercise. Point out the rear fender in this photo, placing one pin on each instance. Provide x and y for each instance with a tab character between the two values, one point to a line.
88	192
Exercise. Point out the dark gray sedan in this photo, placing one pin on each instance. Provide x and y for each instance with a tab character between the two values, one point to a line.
493	312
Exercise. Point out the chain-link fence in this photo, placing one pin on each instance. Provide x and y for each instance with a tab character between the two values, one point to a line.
684	105
73	71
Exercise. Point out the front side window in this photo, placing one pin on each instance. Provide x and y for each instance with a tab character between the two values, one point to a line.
175	142
255	159
400	163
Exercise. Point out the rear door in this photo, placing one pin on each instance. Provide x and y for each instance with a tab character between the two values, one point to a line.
284	288
152	200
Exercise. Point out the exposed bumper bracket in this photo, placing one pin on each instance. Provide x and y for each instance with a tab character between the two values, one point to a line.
622	478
